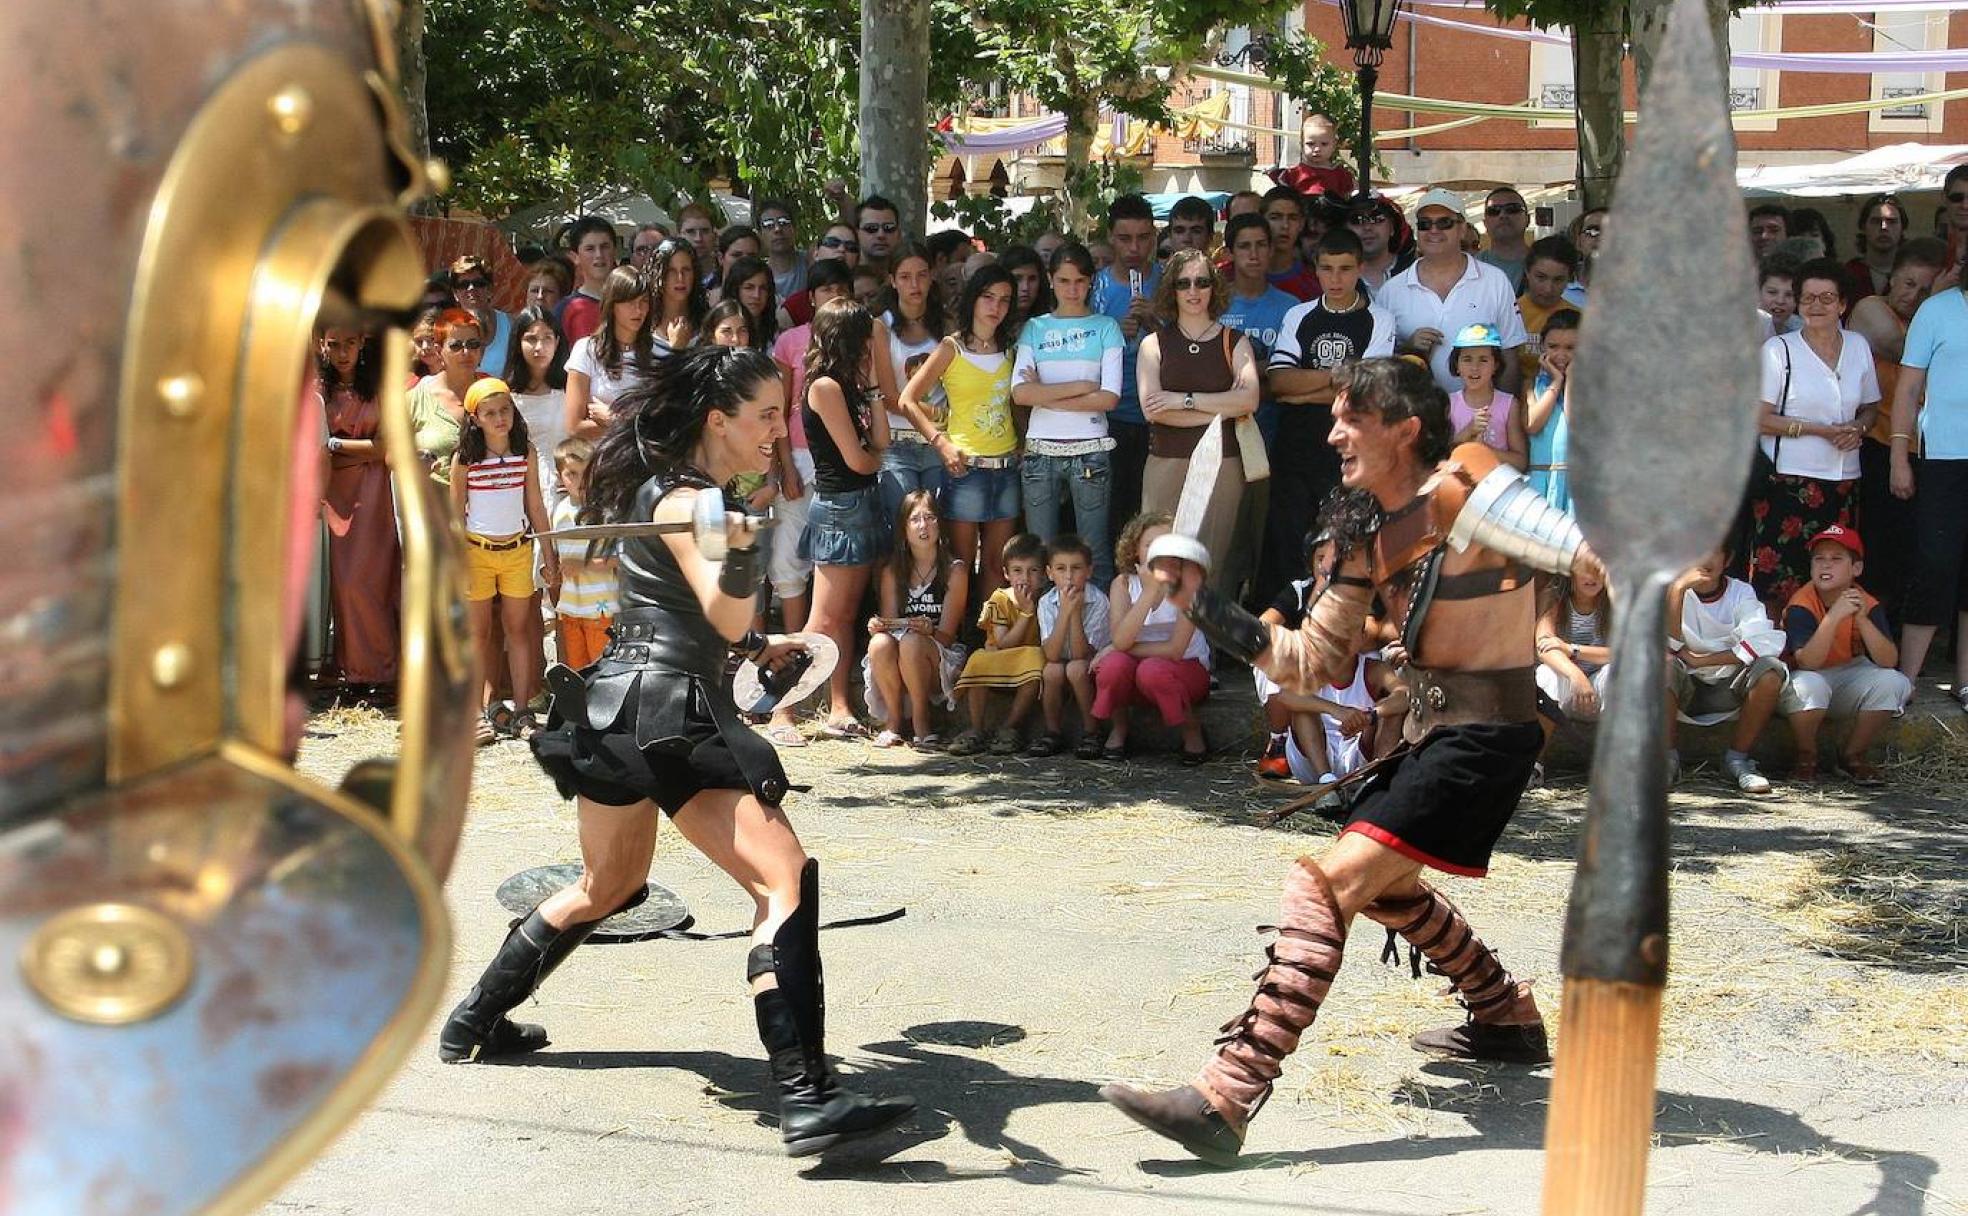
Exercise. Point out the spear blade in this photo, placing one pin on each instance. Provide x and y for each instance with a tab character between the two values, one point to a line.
1664	421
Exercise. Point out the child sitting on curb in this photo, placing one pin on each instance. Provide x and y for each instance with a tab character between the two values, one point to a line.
1846	665
1723	663
1074	630
1010	658
1158	658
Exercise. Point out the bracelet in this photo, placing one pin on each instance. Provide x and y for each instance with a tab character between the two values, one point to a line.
1796	430
1906	435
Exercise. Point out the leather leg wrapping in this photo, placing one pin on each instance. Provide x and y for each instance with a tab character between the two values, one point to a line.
531	951
1299	969
793	957
1436	927
1320	651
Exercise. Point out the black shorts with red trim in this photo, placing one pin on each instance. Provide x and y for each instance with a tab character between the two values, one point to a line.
1446	802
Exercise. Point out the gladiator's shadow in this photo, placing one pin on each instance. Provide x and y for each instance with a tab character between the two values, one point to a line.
957	1091
1506	1107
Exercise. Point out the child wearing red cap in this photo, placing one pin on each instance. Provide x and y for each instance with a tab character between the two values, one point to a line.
1843	660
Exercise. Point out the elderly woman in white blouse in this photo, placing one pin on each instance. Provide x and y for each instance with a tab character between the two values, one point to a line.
1820	393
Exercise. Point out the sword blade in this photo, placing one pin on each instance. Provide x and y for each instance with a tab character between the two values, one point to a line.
1199	483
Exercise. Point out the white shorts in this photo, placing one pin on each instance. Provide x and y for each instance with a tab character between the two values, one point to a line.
788	571
1860	686
1560	689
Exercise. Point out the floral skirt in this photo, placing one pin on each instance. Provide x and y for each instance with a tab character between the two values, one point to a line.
1784	516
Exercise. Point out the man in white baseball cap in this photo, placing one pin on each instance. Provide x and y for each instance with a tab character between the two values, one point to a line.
1446	289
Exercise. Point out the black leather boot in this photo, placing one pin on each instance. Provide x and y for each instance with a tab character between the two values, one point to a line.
479	1028
815	1113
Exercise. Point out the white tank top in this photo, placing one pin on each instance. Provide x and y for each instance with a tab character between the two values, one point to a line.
495	496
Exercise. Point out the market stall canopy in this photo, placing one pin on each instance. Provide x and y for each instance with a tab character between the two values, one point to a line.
1901	168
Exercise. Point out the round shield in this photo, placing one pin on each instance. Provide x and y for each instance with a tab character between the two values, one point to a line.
661	911
756	694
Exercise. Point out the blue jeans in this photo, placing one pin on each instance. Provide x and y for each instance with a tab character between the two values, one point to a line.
1048	480
906	467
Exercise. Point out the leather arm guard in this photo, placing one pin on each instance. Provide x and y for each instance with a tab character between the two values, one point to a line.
1320	651
1228	626
1505	515
742	572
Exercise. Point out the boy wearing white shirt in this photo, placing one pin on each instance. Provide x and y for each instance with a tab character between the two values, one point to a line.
1723	663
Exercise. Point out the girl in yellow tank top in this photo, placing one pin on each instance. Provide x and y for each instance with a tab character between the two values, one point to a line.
977	439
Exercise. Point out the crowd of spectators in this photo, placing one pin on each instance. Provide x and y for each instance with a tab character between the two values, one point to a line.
966	517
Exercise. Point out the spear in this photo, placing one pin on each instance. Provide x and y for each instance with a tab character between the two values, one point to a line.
1663	417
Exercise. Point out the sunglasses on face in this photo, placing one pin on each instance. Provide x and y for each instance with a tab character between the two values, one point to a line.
885	227
464	344
1496	209
776	222
1439	224
473	284
1364	221
834	242
1195	284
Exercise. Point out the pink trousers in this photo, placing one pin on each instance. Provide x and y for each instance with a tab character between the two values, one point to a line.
1170	685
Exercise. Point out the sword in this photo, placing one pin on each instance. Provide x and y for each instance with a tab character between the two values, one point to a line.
1198	484
706	523
1658	472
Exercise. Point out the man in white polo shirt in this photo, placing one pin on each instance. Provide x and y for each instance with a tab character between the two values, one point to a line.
1447	289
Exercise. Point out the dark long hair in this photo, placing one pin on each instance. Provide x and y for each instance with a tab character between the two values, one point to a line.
660	419
935	317
841	330
699	302
902	561
471	437
624	283
517	372
1023	257
975	286
765	326
368	373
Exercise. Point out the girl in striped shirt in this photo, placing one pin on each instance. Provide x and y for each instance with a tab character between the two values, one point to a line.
495	488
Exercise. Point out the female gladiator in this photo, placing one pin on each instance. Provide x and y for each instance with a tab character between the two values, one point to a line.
652	724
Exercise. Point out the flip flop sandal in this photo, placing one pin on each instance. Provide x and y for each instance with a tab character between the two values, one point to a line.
889	738
785	735
849	729
525	726
931	742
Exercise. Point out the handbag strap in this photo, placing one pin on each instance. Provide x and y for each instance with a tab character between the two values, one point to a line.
1783	399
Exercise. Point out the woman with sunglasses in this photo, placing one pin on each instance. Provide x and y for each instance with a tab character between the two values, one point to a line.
839	243
471	279
437	402
1195	372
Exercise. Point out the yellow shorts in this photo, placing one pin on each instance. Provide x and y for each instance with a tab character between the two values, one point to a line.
503	572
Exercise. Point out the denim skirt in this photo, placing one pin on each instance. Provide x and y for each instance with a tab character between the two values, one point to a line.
845	528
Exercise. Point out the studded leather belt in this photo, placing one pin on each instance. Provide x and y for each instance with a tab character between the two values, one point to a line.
1458	698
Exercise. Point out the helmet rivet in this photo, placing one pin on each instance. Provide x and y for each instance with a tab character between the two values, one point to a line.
181	394
170	665
292	109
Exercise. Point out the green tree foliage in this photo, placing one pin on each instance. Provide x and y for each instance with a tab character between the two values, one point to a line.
561	100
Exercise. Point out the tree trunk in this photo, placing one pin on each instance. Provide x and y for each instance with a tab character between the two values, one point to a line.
410	61
895	106
1597	57
1649	19
1082	117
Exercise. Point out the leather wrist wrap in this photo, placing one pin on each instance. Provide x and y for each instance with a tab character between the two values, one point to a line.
742	572
1229	627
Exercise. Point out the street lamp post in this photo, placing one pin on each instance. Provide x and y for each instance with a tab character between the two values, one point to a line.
1369	32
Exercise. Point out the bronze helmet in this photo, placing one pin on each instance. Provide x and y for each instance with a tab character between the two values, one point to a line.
208	962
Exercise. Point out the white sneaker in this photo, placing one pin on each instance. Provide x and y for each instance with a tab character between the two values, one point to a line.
1747	779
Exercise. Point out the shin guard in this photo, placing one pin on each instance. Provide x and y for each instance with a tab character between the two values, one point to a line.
1299	969
1435	927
